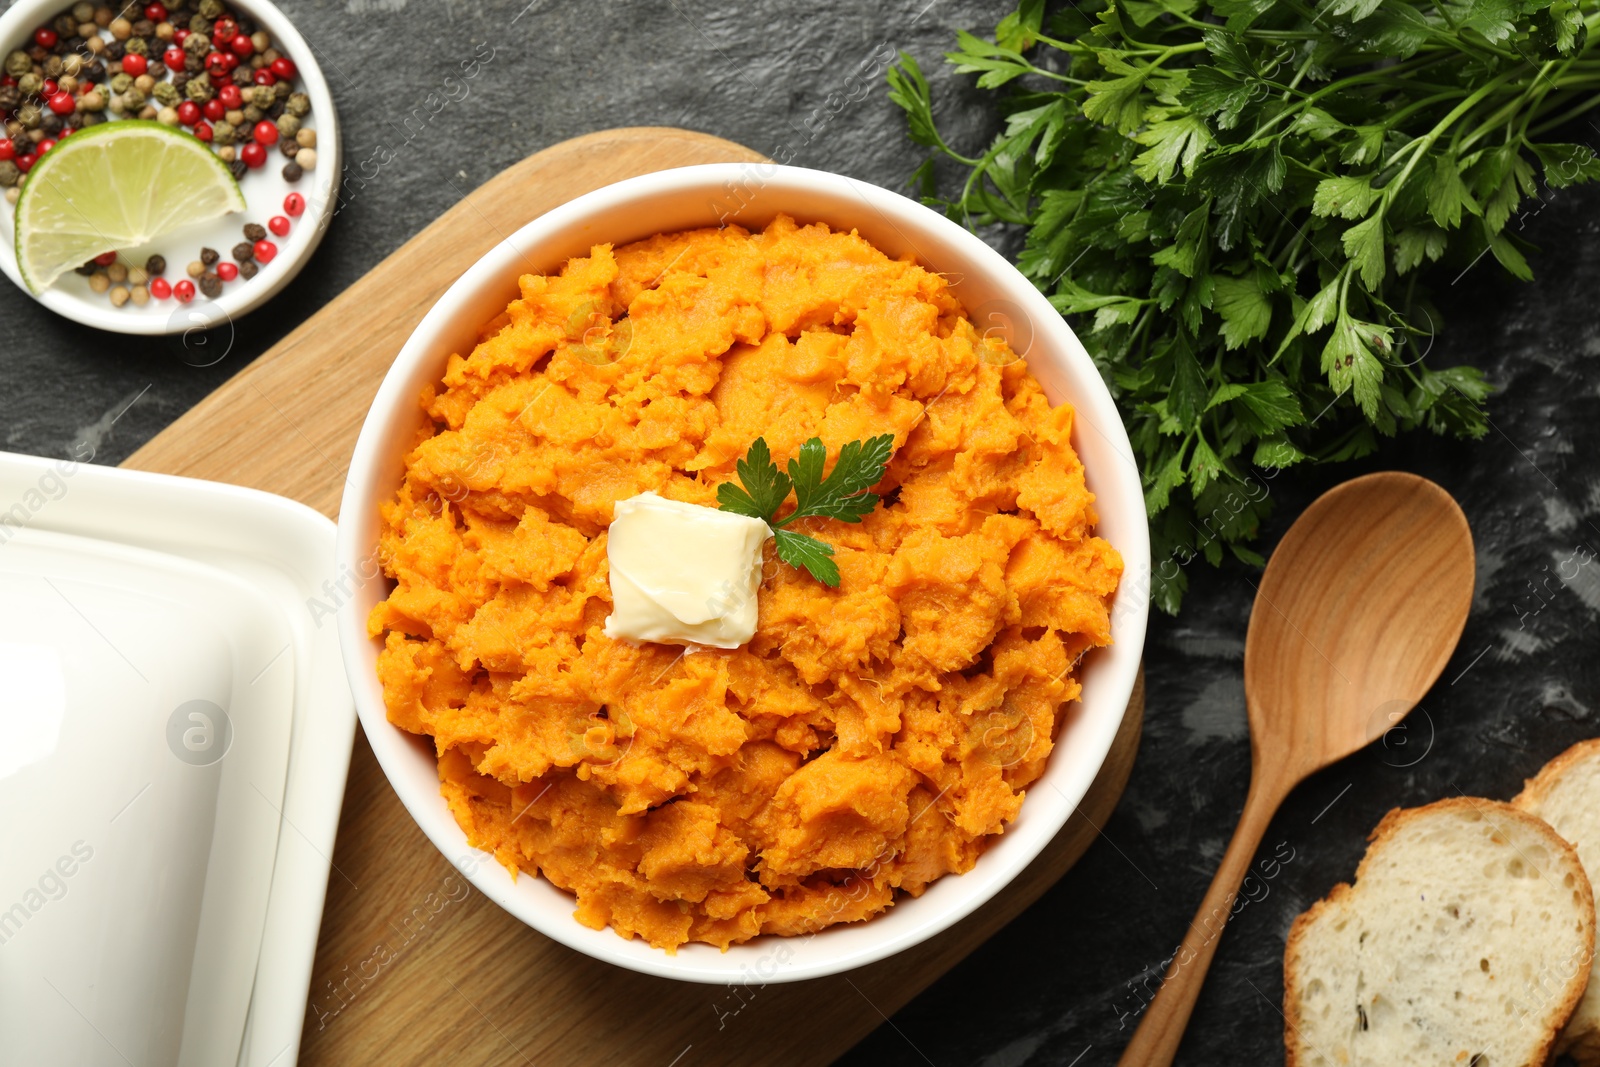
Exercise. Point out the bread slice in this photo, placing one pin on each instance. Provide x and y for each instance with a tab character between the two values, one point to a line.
1566	794
1465	941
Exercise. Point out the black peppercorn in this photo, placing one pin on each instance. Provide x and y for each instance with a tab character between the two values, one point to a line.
144	28
9	98
243	76
155	266
248	269
254	231
87	269
94	72
115	49
209	256
238	168
292	171
210	285
180	81
244	251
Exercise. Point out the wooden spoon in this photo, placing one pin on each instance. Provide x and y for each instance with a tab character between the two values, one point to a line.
1359	610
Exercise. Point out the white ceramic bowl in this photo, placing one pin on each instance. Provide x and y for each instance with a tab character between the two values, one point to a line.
264	190
997	296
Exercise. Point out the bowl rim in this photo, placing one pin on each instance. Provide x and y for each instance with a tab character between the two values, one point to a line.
1113	669
322	200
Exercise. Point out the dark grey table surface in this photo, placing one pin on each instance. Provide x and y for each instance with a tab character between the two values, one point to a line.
1063	984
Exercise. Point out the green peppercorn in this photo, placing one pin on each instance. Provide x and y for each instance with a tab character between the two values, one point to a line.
197	43
211	8
89	118
30	116
202	26
288	126
199	90
9	174
10	97
133	100
253	114
52	67
30	84
18	63
94	100
222	133
167	94
137	47
121	83
298	105
261	96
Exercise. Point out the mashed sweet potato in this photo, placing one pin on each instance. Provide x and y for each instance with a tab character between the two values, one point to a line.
869	739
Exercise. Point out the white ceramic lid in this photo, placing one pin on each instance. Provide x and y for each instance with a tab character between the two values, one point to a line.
176	735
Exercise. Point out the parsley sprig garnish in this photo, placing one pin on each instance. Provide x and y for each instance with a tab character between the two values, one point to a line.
841	495
1235	199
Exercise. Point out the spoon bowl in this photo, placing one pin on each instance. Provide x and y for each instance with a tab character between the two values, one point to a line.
1357	614
1360	608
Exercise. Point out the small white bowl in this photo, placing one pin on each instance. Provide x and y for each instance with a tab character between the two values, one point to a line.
264	190
997	296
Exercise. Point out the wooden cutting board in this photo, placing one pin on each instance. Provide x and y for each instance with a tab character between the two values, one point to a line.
413	966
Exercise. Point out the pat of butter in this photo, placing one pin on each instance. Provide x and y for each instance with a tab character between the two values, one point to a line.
682	573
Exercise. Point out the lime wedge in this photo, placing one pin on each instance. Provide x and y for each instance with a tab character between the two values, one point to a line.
114	186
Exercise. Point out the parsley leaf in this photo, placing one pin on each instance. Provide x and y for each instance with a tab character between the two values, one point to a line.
842	494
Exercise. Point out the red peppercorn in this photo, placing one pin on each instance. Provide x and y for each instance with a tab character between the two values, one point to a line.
265	250
134	64
253	155
25	163
62	103
8	150
184	291
8	81
224	30
49	88
155	12
266	133
45	37
230	97
160	288
105	259
284	68
294	204
213	110
180	35
265	77
242	46
216	64
173	58
229	60
227	271
66	131
278	225
45	145
202	130
188	112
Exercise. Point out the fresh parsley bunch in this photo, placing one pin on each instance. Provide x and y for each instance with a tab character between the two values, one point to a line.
841	495
1238	197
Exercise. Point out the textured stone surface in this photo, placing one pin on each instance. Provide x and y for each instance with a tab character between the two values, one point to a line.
1067	979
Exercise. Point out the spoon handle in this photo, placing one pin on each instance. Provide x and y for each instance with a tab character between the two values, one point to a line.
1155	1043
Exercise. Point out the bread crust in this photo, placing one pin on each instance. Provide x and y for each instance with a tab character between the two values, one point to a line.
1581	1039
1386	830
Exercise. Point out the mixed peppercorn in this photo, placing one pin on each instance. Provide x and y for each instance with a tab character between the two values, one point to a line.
126	284
198	66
